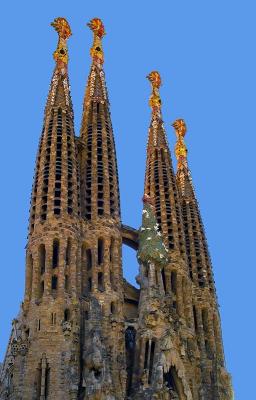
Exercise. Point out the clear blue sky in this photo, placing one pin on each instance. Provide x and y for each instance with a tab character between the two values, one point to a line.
205	52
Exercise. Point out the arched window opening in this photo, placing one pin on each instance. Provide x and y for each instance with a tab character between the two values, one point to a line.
42	257
130	341
89	259
174	282
68	252
100	282
163	280
100	251
54	282
55	253
66	315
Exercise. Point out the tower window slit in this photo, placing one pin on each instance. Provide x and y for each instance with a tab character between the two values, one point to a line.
55	253
174	282
100	251
195	319
42	257
100	282
163	279
41	289
151	361
68	251
66	315
146	355
54	282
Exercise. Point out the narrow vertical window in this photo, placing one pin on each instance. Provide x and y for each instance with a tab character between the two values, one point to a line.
111	250
89	284
195	319
163	280
174	282
112	308
151	361
55	254
205	321
54	282
68	252
42	258
89	259
146	355
66	282
100	282
100	251
41	289
53	318
66	315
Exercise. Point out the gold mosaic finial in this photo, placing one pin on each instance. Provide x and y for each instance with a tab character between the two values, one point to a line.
180	147
155	101
96	25
60	55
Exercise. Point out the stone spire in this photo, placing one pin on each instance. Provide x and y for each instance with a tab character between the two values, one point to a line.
101	265
56	186
160	182
205	307
196	245
100	188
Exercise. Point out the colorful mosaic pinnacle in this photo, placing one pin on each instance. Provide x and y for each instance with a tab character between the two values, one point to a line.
155	101
61	26
96	25
180	147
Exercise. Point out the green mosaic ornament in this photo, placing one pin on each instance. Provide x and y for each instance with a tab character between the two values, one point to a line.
151	246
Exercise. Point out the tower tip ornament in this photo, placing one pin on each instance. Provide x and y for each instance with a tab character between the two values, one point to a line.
180	147
98	29
63	29
155	100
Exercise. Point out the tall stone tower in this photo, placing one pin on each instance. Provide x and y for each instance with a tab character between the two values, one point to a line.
84	332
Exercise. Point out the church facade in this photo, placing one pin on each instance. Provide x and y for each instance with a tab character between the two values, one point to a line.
84	332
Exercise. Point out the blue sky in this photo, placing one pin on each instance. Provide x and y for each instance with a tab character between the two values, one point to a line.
205	53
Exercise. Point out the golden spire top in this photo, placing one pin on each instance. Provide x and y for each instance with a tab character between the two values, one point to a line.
96	25
62	27
180	147
155	101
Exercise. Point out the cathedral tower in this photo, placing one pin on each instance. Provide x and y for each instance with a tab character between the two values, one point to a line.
45	338
83	332
205	307
102	282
